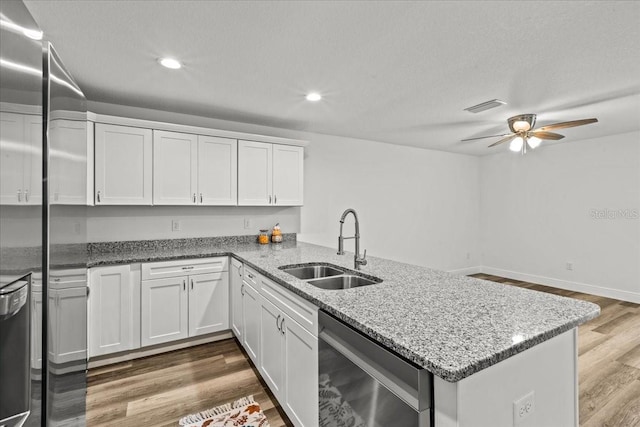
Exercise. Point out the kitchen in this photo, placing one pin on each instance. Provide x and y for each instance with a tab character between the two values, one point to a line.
422	197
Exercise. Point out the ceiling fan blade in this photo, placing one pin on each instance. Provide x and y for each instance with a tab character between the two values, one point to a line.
546	135
570	124
483	137
505	139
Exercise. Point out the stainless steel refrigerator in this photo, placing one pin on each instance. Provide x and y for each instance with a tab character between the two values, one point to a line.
43	145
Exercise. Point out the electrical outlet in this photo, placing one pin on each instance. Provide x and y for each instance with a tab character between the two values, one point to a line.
523	408
247	223
176	225
569	266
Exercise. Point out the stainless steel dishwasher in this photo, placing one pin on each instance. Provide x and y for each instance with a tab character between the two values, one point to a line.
15	333
362	384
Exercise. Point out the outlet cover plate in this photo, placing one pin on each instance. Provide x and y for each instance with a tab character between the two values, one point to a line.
523	408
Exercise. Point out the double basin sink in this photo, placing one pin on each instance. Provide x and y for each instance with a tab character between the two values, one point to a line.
329	276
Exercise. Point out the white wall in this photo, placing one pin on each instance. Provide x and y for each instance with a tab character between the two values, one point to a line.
417	206
539	212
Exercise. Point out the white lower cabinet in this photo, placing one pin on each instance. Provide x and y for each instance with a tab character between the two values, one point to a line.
251	322
235	285
177	305
300	364
114	309
272	352
67	317
164	315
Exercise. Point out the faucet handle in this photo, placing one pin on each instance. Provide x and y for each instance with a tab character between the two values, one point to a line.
364	256
363	260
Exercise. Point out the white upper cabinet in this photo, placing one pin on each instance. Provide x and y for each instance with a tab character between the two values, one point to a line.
194	170
71	150
123	161
270	174
217	171
174	168
287	175
255	181
21	164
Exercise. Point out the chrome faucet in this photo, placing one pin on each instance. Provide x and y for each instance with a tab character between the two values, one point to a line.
357	261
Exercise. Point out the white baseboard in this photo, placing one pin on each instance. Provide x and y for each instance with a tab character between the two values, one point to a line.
467	271
633	297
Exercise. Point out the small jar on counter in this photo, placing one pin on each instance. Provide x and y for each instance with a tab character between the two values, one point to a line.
263	237
276	234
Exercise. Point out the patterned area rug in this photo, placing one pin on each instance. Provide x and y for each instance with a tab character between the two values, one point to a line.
244	412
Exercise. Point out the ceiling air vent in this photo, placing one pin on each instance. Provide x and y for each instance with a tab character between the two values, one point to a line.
485	106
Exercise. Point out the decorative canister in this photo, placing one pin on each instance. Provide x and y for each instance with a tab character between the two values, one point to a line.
276	234
263	237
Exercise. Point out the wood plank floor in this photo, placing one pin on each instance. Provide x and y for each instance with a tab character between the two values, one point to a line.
159	390
608	359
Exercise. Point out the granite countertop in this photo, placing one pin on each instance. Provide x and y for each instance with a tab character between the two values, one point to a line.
451	325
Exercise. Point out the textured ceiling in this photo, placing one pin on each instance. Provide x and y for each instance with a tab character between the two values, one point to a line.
398	72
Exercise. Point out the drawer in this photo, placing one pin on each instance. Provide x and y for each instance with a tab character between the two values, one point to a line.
299	309
251	277
164	269
65	279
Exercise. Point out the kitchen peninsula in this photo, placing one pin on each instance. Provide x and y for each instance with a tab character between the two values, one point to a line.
487	345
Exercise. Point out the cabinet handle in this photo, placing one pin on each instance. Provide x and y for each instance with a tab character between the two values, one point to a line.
98	197
250	275
275	199
194	197
282	326
239	274
26	196
269	199
278	323
191	284
201	199
242	289
88	291
19	195
184	285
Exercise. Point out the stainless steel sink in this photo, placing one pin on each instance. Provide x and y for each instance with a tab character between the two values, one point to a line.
313	271
329	276
341	282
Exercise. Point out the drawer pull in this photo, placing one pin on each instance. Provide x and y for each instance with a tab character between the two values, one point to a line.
282	326
278	323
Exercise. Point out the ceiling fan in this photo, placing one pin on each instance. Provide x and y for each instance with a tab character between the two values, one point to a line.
524	136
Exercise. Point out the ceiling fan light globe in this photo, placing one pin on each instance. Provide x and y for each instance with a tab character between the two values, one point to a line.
516	144
521	125
533	142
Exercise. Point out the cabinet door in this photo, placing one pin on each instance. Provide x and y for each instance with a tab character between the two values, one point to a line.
271	348
251	322
12	160
68	158
288	175
33	160
123	161
164	310
255	182
235	283
300	364
69	316
110	308
208	303
174	168
217	171
36	330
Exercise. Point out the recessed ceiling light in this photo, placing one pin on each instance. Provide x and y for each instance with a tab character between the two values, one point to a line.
313	96
174	64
